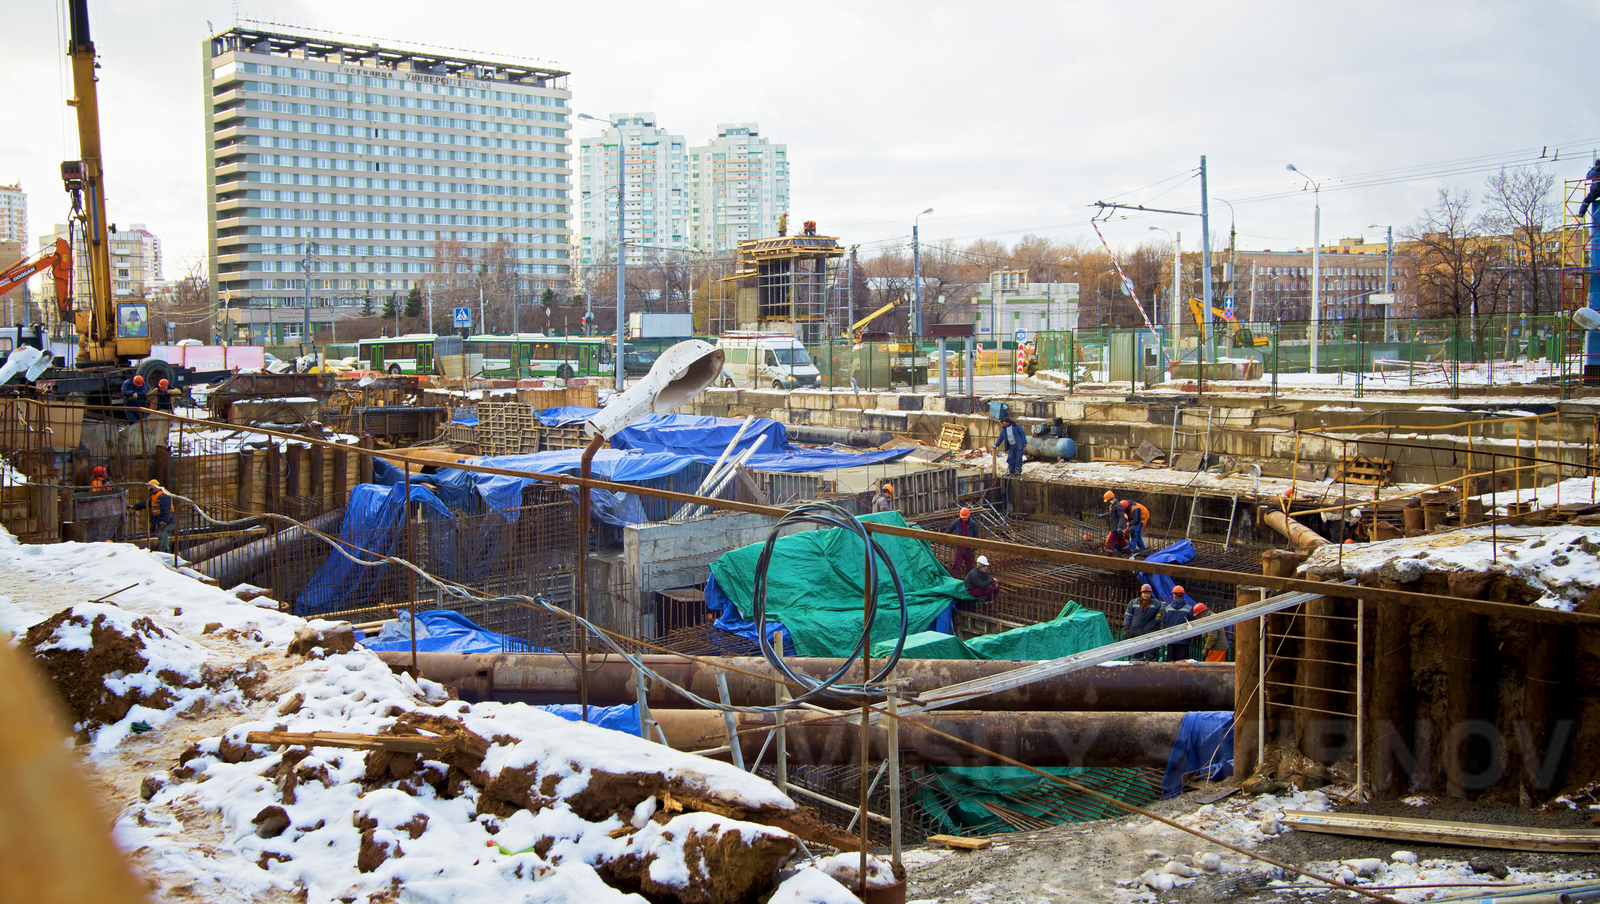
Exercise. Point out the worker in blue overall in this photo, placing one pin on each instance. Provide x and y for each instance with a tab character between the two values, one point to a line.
1012	437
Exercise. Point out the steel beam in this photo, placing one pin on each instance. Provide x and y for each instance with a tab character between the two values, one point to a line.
550	678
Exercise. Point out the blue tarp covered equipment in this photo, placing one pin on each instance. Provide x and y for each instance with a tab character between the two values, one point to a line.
1179	553
441	631
1205	742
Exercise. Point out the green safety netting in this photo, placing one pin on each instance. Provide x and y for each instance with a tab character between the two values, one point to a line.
954	797
1074	630
816	579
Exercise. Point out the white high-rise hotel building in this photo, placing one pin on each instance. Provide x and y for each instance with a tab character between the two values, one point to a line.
374	155
679	198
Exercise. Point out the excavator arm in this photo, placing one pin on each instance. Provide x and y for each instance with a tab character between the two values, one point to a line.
855	328
58	260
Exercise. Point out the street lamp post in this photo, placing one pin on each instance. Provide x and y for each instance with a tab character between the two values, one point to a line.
916	276
1316	263
1388	275
622	234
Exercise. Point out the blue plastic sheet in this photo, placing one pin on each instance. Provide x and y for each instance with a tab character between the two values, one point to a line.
1179	553
704	438
617	718
440	631
373	524
728	618
1204	742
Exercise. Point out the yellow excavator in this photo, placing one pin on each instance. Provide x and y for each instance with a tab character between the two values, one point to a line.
857	329
1241	336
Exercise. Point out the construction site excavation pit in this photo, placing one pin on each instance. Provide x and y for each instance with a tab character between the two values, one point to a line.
366	649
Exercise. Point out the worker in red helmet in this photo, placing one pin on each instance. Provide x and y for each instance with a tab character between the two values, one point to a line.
1143	617
161	399
963	526
1177	611
133	394
1137	516
98	476
1216	643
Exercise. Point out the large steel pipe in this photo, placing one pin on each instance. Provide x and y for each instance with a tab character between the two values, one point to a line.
550	678
1300	536
1034	738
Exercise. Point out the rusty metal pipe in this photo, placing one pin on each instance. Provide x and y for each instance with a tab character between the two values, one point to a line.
550	678
1036	738
1300	536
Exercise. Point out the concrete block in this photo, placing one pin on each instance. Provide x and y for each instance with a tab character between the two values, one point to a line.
888	401
1071	411
911	402
811	400
894	423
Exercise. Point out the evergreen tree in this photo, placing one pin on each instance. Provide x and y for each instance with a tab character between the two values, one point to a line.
548	298
366	306
390	305
414	302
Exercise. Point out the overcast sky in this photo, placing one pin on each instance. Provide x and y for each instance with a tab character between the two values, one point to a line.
1006	118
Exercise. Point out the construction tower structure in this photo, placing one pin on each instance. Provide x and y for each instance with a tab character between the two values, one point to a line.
783	285
1580	248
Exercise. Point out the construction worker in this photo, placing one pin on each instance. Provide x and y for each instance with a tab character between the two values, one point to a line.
133	396
1136	517
1015	440
1143	617
981	585
1117	543
1033	365
964	526
1593	194
161	399
1114	511
1177	612
98	478
161	520
884	501
1216	642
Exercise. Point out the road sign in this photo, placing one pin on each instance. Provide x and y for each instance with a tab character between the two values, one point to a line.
1022	335
463	317
1380	298
1227	303
1127	286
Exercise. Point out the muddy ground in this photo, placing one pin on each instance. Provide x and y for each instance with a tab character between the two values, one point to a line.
1084	862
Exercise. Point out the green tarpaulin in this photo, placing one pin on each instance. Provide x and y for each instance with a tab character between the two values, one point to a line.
1074	630
816	579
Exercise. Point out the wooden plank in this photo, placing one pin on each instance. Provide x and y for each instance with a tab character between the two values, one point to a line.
1461	834
956	841
952	437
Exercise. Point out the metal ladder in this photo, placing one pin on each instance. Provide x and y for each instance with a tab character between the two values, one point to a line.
1179	432
1233	511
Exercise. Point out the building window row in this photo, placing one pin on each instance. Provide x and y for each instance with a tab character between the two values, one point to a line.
325	197
389	100
367	216
367	81
400	184
420	169
330	128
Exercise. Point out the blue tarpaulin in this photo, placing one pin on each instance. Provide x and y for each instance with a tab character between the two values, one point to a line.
617	718
704	438
728	618
373	523
1179	553
440	631
1205	742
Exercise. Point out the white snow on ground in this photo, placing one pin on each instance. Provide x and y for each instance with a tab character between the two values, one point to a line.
1403	868
1572	491
197	829
1561	561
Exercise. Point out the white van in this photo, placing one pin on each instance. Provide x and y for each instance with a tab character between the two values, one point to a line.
756	360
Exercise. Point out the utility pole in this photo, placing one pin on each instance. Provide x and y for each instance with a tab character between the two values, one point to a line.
305	266
1252	291
1205	239
430	307
850	298
622	252
483	323
1388	277
1176	301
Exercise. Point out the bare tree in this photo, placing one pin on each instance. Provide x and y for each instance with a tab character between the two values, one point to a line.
1461	268
1522	205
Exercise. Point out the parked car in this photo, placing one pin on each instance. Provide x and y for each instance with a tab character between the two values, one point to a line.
637	364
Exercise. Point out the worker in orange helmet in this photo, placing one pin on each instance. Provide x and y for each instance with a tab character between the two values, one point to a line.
161	399
98	478
1143	617
161	518
963	526
1217	642
1114	511
132	396
1178	611
884	501
1137	517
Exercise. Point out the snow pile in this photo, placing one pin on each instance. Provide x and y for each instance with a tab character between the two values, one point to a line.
1572	491
115	670
1240	820
1550	566
505	802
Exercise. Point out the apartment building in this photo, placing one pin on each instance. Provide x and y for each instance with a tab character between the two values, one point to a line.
738	185
13	214
655	191
366	160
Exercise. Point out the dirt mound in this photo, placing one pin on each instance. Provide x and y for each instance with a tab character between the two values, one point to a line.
78	651
696	858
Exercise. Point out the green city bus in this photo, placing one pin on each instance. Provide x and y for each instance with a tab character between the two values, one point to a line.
538	355
413	353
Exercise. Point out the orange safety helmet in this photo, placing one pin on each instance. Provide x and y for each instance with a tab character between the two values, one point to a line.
1177	588
966	513
888	489
138	380
1108	496
99	470
162	384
